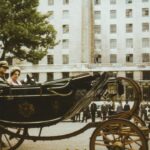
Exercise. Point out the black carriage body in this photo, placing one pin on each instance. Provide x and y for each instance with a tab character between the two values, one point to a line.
40	103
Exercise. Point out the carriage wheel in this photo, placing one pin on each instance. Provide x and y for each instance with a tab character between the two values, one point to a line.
118	134
138	121
8	142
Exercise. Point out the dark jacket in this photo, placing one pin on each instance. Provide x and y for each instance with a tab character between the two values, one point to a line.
3	80
126	107
93	108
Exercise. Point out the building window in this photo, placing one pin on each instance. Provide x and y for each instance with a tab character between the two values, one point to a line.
146	75
129	75
65	14
113	28
128	1
50	59
97	58
129	28
129	43
146	92
97	29
35	76
65	43
65	74
50	76
128	13
97	2
145	12
113	14
65	28
97	14
113	43
146	57
65	2
145	43
50	2
129	58
145	27
97	44
113	58
65	59
112	1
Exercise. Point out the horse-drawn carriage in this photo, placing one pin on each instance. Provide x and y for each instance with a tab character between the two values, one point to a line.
41	105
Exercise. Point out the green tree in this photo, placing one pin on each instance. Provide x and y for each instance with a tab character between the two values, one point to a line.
25	33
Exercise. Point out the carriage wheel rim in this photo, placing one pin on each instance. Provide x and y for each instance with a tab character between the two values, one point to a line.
10	142
96	138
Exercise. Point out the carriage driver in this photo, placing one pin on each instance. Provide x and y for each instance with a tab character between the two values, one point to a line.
3	68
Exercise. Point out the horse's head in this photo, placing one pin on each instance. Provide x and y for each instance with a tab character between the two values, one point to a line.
29	80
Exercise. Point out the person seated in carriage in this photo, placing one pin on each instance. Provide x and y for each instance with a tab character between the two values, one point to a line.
14	76
3	68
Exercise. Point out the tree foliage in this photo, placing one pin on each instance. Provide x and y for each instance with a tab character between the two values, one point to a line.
25	33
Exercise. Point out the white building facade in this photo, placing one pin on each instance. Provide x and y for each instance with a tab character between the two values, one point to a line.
96	35
122	39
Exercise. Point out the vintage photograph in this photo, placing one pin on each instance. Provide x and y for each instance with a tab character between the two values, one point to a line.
74	74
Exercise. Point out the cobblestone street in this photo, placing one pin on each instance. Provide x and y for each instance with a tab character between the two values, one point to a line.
80	142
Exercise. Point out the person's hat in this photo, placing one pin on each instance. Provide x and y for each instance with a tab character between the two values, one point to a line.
14	69
4	64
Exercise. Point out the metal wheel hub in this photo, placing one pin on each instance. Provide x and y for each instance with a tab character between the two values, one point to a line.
117	145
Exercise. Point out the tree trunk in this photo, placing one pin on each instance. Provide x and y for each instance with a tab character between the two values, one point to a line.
3	55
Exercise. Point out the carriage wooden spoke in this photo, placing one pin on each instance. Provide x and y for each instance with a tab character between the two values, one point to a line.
8	142
118	134
138	121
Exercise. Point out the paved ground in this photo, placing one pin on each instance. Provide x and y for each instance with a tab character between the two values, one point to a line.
80	142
